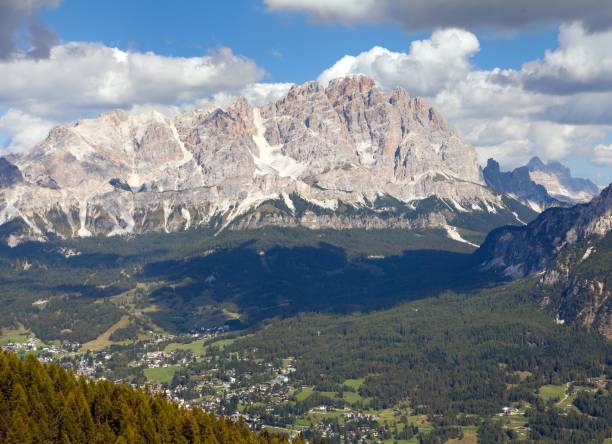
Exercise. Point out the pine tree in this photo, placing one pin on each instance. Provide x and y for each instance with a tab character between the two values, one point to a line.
68	422
46	404
18	432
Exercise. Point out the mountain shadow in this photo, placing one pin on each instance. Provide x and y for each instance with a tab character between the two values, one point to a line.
282	281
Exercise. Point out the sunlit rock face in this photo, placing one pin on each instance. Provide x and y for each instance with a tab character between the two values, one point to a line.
319	157
559	183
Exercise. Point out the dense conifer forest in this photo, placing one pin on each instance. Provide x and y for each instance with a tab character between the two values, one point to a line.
455	358
44	403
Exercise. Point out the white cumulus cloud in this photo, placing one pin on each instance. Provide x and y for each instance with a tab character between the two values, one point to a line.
78	78
427	67
24	129
603	154
501	111
581	63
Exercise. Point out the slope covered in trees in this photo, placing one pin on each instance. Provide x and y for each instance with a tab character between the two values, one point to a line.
42	403
454	353
65	290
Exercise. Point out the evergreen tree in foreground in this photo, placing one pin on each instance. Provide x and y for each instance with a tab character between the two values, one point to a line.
47	404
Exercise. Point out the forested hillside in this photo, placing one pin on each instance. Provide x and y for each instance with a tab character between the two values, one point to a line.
453	353
455	358
69	290
47	404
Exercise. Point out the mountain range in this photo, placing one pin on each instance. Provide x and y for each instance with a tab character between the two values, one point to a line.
344	230
540	185
348	155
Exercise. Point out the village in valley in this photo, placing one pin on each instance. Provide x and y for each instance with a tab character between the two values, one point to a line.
196	370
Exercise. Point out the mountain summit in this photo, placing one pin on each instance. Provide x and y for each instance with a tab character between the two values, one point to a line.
348	155
519	183
540	185
558	181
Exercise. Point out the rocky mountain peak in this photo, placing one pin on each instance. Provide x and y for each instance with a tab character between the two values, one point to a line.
535	163
558	181
350	86
304	91
493	165
115	116
345	145
57	134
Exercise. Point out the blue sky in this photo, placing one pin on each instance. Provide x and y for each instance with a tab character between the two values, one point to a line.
290	47
498	74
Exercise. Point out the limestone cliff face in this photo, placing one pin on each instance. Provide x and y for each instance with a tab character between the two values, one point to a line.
578	283
559	183
349	145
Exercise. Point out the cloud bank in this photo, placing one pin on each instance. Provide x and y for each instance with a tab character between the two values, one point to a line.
83	79
79	77
424	15
39	37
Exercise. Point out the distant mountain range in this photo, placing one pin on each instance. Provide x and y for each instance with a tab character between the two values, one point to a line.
559	183
540	185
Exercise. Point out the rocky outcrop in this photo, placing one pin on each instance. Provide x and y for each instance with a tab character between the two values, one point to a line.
520	251
559	183
9	174
571	248
519	183
349	145
578	285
